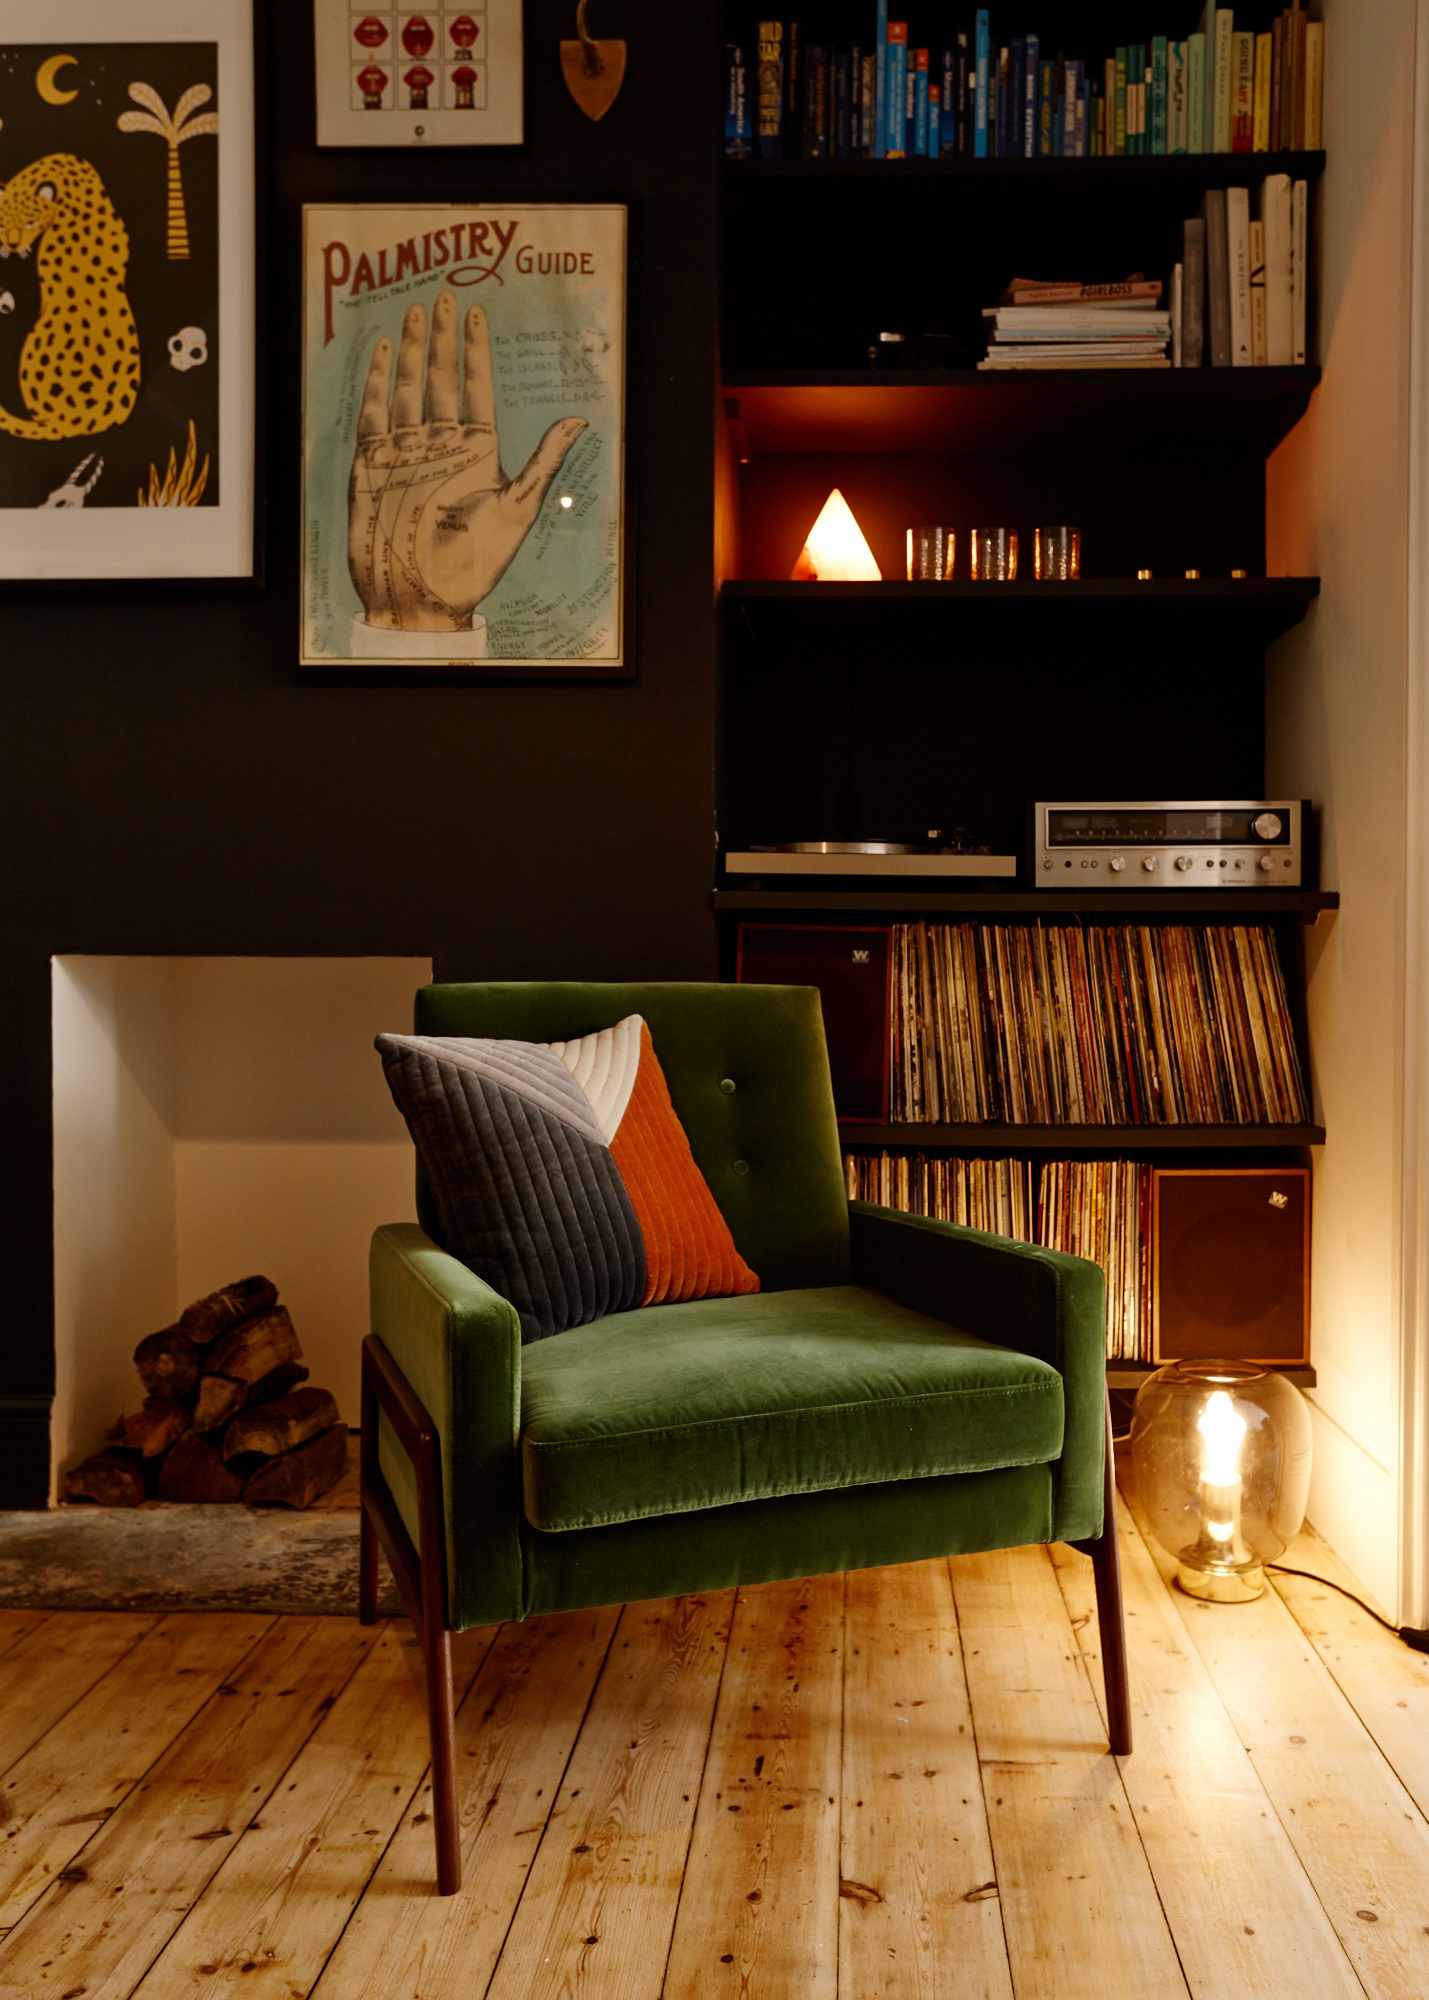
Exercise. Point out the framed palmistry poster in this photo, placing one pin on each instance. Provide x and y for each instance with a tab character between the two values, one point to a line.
127	292
391	75
464	440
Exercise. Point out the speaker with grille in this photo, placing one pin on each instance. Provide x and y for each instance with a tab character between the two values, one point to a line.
851	967
1231	1264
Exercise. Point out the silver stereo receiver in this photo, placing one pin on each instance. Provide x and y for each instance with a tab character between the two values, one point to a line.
1169	844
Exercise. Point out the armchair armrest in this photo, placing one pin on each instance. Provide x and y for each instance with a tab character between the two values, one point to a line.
458	1344
1041	1302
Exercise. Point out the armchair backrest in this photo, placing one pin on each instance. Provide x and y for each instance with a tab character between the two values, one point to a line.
769	1148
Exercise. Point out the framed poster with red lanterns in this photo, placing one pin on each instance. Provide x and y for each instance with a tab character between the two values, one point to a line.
394	75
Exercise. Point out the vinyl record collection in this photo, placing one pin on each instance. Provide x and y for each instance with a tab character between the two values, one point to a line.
1058	1024
1099	1209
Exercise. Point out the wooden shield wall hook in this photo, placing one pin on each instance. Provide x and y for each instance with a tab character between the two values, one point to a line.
594	71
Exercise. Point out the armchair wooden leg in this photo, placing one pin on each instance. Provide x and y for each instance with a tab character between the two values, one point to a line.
441	1722
1106	1567
367	1545
367	1549
421	1580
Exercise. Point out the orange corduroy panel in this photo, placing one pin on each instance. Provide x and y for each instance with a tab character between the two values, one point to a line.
689	1252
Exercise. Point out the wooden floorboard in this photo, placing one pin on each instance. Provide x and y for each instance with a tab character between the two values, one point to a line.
1359	1836
1240	1906
49	1668
100	1926
15	1624
58	1795
598	1908
758	1918
918	1909
1385	1682
515	1734
271	1917
1079	1906
888	1786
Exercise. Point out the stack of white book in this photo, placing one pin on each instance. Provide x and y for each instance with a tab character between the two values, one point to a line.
1239	294
1077	336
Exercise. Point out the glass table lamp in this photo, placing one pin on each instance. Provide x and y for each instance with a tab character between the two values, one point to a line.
1221	1451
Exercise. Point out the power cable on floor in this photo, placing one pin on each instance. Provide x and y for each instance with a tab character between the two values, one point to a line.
1412	1635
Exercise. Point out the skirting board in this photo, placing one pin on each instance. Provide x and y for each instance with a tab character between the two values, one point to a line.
1353	1505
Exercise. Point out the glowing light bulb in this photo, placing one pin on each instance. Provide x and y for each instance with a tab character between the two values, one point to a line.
1223	1430
835	551
566	500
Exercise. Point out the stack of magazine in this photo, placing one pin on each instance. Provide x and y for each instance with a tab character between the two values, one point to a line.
1037	325
1102	1024
1099	1209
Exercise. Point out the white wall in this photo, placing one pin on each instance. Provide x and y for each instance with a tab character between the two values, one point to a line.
1337	496
216	1117
289	1150
116	1246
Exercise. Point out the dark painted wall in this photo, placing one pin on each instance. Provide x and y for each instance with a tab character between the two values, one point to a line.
165	786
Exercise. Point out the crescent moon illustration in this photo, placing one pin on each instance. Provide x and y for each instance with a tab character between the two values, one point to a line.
45	80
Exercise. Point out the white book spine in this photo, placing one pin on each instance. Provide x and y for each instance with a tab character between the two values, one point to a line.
1225	79
1279	316
1300	217
1238	259
1175	315
1257	294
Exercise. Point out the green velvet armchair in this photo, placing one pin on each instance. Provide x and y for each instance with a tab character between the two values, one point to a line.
898	1389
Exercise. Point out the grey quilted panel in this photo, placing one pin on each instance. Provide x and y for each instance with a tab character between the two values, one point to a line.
526	1195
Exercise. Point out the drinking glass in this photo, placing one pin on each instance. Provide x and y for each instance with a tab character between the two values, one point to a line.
1056	554
994	555
930	554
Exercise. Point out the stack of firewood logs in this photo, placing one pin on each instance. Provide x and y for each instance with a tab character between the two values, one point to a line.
224	1417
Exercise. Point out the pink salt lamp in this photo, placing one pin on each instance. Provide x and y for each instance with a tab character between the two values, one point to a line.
835	551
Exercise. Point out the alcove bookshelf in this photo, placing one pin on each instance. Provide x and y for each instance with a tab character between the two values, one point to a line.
882	710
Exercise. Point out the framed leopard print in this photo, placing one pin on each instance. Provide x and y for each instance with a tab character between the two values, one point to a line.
128	278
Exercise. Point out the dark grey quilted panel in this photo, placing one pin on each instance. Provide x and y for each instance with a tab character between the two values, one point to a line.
526	1188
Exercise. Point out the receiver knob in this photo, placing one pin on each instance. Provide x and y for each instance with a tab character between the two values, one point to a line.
1267	825
1183	862
1150	864
1265	864
1117	863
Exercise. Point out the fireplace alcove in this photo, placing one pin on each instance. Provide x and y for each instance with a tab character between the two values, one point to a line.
215	1117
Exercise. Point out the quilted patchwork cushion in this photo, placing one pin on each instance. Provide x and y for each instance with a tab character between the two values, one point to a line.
689	1252
561	1173
722	1400
528	1194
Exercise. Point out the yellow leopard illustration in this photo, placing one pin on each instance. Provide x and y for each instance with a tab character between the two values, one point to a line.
79	366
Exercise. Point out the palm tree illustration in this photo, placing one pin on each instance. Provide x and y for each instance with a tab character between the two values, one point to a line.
173	131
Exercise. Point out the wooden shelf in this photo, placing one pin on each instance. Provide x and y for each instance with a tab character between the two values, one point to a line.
1129	1375
1251	609
1217	591
967	410
1201	169
1076	1139
1232	905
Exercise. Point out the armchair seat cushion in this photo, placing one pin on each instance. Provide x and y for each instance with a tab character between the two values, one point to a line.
677	1408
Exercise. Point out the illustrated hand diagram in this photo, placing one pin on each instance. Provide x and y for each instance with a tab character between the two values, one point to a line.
433	521
77	488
